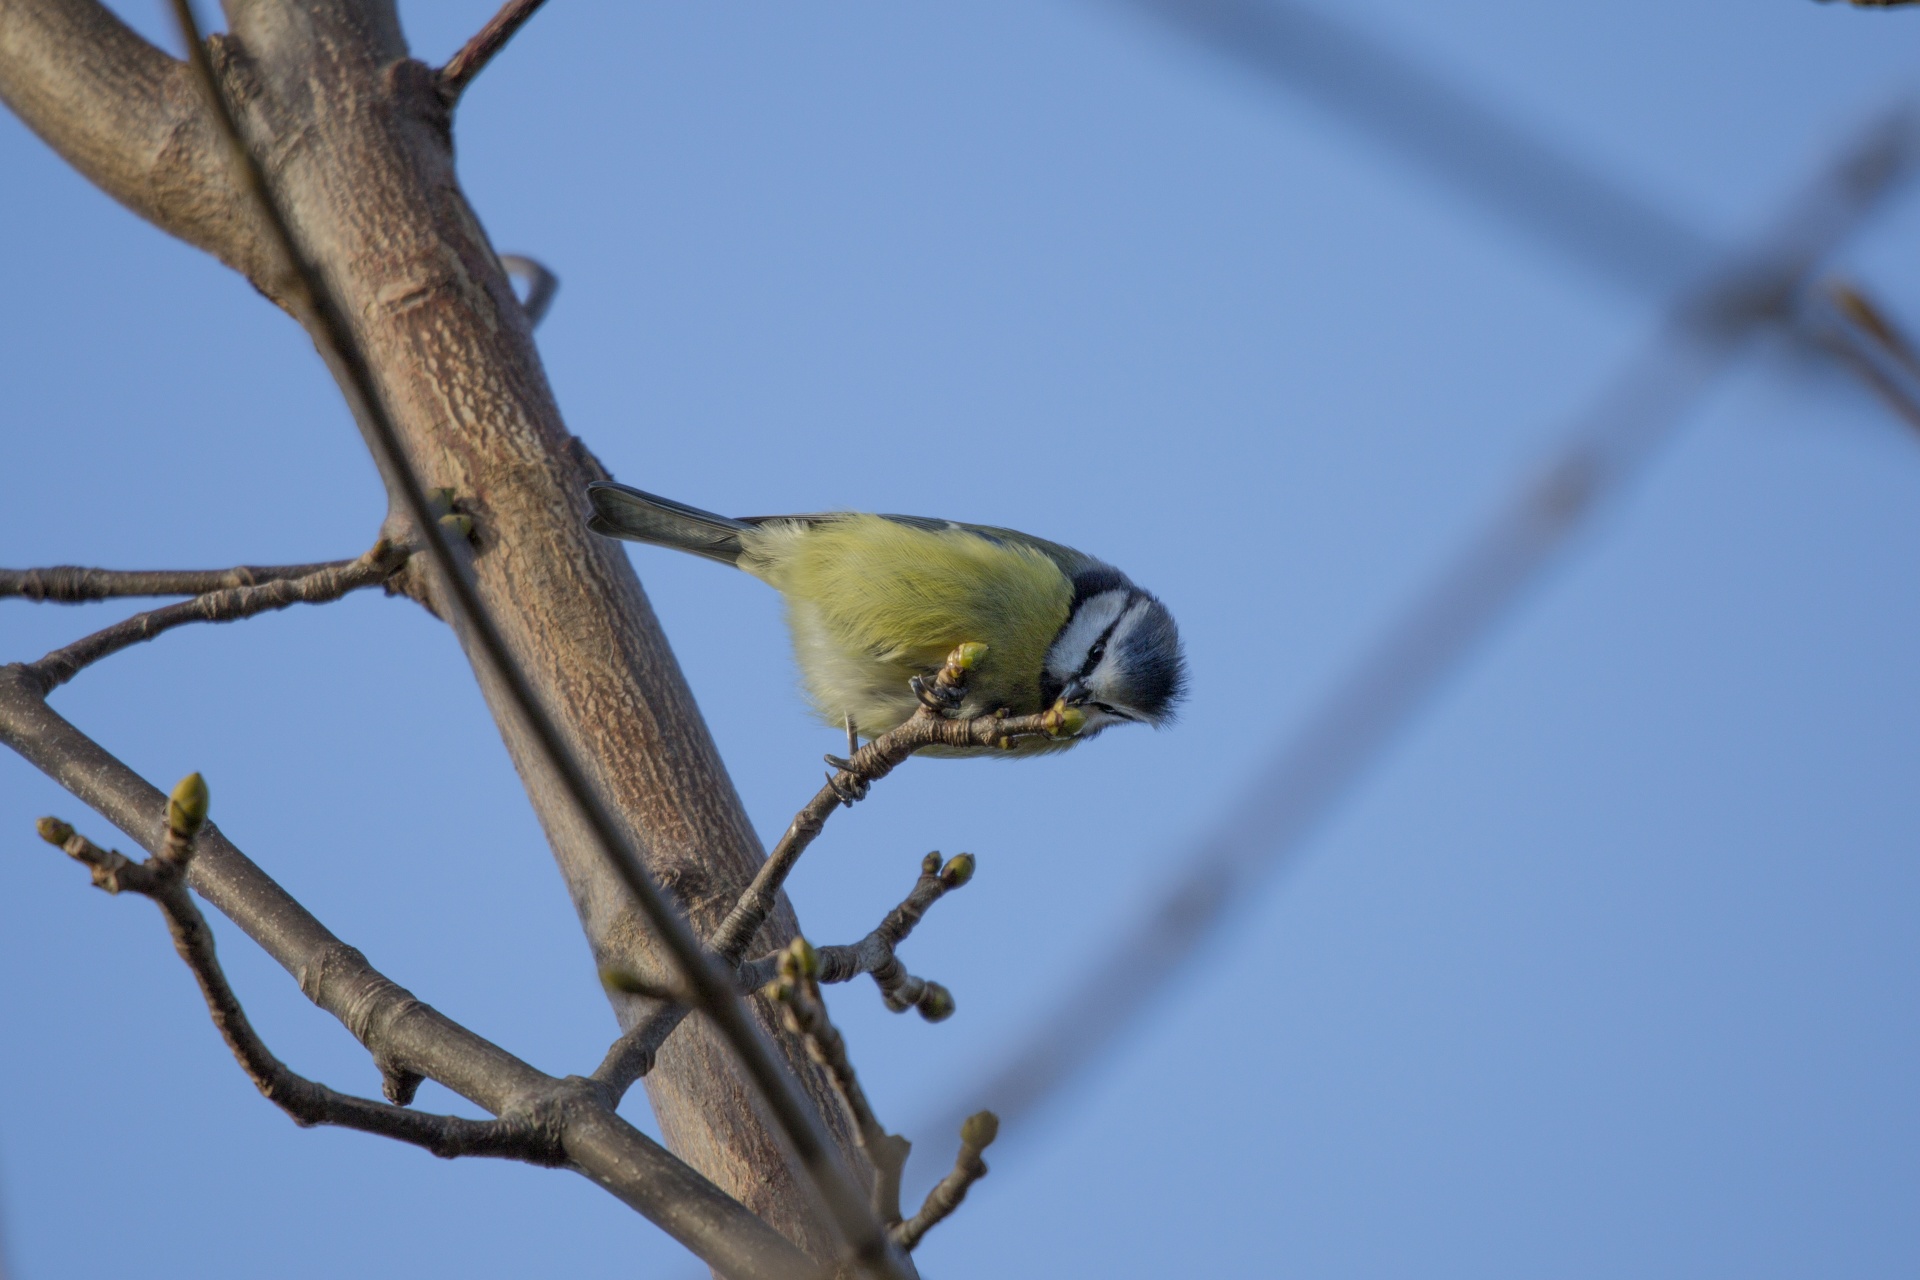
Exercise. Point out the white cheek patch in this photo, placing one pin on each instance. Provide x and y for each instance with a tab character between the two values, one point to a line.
1090	621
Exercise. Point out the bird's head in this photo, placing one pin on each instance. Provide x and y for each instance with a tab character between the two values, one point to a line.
1117	657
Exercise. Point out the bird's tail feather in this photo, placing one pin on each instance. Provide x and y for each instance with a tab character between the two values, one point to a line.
623	512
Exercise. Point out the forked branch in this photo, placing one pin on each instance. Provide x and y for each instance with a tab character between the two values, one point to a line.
326	584
632	1055
162	878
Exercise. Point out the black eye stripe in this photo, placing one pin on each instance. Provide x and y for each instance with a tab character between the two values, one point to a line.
1099	648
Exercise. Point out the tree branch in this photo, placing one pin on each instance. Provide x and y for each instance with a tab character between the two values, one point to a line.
542	285
161	878
320	587
476	53
977	1133
128	117
632	1056
874	953
73	584
404	1035
798	991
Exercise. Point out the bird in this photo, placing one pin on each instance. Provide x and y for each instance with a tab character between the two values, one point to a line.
873	601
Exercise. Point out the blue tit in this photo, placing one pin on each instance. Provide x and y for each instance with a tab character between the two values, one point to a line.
874	600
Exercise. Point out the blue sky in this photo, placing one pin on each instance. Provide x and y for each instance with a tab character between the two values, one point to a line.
1609	966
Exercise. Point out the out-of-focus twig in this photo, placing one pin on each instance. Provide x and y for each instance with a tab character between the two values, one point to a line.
227	605
1471	145
1861	334
1365	711
489	40
977	1133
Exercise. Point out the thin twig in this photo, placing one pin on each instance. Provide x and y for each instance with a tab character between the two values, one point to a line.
476	53
798	992
875	953
162	878
319	587
633	1055
1868	342
977	1133
310	296
72	584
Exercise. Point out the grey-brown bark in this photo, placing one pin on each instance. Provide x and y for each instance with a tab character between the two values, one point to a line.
357	137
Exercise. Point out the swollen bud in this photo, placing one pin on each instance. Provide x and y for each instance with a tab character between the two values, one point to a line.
619	980
980	1129
54	831
459	525
929	865
968	655
805	960
935	1003
187	806
958	871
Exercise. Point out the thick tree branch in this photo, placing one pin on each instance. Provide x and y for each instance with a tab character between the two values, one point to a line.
404	1035
320	587
476	53
311	295
128	117
73	584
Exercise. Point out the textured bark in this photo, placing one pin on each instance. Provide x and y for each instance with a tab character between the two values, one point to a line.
357	139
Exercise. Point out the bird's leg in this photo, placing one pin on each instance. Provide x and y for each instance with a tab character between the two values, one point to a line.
853	735
941	699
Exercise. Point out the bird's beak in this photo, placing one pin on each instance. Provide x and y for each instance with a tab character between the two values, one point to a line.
1075	693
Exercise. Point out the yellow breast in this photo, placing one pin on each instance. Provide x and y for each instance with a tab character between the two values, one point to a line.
872	602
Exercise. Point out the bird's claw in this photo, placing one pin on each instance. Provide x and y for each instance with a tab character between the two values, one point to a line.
942	701
850	787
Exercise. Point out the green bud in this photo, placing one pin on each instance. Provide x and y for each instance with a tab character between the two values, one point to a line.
968	655
806	961
780	990
930	864
187	806
958	871
54	831
935	1003
980	1129
461	526
440	501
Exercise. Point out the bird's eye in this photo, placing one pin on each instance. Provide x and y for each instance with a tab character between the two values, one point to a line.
1101	706
1098	651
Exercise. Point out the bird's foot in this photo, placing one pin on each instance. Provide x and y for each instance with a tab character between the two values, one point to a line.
846	784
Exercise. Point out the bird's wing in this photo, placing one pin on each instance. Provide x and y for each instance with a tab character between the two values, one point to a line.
1071	562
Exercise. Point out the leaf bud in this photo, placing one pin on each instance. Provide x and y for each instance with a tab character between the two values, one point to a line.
980	1129
187	806
958	871
929	865
968	655
935	1003
806	961
54	831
